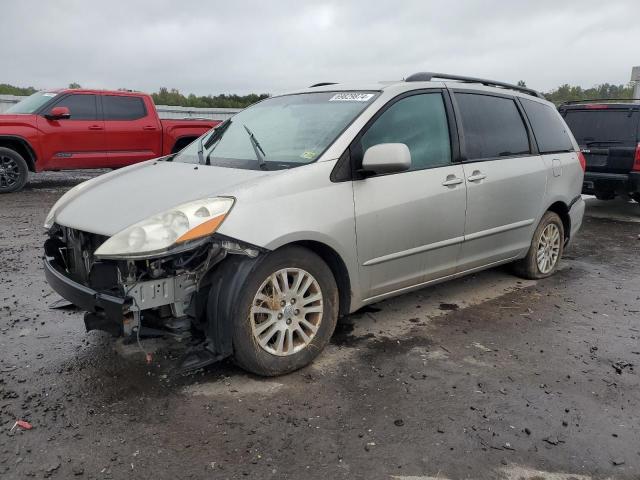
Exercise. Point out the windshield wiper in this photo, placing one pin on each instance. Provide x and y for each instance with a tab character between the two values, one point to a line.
214	137
201	150
257	148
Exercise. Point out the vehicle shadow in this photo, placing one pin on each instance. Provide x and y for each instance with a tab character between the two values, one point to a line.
621	209
60	180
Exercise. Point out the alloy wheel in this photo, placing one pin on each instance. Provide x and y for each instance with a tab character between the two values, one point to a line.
548	248
9	172
286	311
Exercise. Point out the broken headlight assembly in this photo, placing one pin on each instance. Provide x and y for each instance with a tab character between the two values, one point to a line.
175	230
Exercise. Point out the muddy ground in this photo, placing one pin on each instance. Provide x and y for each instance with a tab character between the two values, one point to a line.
484	377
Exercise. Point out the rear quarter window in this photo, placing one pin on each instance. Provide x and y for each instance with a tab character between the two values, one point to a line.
118	107
492	126
548	128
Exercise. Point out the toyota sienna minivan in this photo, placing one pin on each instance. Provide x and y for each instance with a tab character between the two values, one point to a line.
309	205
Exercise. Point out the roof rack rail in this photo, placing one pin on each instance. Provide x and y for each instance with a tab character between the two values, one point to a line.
601	100
322	84
428	76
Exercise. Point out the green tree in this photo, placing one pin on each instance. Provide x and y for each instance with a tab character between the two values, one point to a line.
74	85
173	97
605	91
6	89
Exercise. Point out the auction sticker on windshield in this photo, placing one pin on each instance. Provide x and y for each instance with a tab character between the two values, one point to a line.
351	97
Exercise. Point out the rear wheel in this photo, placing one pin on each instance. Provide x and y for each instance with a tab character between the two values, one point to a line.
287	312
14	171
546	249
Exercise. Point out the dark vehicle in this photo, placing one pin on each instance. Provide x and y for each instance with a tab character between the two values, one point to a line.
609	136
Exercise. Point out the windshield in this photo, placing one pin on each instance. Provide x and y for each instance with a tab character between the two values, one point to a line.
280	132
591	127
32	103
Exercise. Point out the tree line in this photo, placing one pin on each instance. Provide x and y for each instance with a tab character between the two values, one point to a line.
173	97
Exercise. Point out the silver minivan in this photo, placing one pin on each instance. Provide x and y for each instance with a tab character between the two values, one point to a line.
307	206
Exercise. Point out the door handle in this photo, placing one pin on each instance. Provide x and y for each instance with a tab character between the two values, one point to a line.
452	181
148	127
476	176
95	127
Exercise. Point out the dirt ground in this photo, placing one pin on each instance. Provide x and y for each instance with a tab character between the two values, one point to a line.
480	378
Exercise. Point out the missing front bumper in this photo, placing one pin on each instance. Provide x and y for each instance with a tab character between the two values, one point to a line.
114	314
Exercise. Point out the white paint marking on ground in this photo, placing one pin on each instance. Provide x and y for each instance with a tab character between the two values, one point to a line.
479	346
515	472
236	385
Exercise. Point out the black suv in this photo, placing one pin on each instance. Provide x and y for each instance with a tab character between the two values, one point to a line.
608	134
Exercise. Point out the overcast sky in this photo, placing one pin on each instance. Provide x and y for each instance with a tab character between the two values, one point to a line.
235	46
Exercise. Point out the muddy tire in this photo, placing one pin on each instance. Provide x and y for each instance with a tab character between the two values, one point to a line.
14	171
285	312
545	251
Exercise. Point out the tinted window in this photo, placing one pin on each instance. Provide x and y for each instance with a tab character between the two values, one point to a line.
420	122
592	126
548	127
123	108
492	126
82	107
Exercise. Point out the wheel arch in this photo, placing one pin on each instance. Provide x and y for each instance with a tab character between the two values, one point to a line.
22	147
182	142
562	210
338	268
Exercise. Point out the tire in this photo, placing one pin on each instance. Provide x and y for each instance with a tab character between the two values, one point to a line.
270	320
605	195
529	267
14	171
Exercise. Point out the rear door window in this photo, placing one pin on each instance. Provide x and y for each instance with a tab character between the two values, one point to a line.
117	107
81	106
548	128
492	126
418	121
608	126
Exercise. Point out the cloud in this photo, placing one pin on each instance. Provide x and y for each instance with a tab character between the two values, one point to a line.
208	47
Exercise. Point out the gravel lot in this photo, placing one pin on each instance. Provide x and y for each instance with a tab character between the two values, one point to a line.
484	377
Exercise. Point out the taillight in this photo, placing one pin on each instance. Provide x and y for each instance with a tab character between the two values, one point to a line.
583	161
636	160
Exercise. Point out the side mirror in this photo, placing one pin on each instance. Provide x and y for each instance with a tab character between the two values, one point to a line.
58	113
386	158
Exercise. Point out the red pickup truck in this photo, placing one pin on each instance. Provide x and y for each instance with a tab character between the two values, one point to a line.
71	129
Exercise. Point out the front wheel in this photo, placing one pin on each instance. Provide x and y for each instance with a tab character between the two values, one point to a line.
14	171
546	249
287	312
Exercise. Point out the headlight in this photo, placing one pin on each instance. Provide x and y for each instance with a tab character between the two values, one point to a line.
168	230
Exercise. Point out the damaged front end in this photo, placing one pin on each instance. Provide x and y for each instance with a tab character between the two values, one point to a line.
134	298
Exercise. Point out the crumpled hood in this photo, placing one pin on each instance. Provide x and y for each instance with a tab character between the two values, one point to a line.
121	198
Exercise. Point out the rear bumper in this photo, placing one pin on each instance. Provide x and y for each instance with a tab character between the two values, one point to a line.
84	297
576	214
611	182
